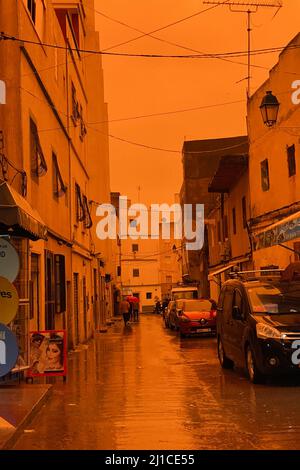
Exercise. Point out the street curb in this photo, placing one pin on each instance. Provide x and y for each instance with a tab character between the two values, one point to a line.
8	444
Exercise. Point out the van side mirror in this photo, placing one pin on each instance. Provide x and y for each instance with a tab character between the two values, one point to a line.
179	312
236	313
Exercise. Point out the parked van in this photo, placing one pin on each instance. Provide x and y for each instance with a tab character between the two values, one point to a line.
184	292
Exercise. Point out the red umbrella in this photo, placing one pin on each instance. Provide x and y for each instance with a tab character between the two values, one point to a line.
133	299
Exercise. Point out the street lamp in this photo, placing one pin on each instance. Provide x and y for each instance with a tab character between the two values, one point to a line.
269	109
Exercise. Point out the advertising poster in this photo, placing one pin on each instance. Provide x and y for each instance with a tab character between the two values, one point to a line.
48	353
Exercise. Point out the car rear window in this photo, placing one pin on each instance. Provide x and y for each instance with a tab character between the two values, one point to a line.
188	294
275	298
197	306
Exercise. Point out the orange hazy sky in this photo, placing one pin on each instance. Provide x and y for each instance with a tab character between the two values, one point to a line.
138	86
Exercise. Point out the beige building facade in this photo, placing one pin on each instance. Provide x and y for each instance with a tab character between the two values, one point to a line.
274	167
57	162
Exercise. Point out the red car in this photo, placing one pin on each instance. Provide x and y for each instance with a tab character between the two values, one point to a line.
197	317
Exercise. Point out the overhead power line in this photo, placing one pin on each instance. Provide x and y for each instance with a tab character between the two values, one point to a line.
165	113
4	36
165	40
150	33
137	144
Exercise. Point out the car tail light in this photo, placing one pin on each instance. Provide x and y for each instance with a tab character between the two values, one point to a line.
213	313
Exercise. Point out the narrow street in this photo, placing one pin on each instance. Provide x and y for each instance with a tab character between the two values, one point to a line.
145	388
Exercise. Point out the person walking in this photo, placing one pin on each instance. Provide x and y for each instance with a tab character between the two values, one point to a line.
136	309
125	310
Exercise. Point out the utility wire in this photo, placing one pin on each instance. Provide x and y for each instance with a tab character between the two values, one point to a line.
174	23
164	40
254	52
143	116
138	144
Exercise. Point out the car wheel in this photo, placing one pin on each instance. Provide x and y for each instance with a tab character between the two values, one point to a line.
182	335
225	362
253	373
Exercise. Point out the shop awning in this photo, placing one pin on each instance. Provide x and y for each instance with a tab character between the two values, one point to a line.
221	270
231	168
17	217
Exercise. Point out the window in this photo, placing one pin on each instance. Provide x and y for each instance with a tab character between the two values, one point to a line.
88	223
238	301
31	5
225	227
79	204
119	271
60	284
234	221
265	181
37	159
135	247
148	295
35	289
83	130
169	279
168	259
75	27
226	306
75	105
244	212
136	273
59	188
291	160
219	231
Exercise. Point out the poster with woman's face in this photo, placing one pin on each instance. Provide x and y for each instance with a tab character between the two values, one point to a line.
48	353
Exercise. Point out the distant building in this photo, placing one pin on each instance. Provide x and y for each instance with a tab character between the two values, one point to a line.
170	261
200	160
140	271
227	224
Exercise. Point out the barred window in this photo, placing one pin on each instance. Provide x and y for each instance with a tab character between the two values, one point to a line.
37	159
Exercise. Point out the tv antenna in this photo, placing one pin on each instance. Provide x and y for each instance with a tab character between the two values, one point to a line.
249	8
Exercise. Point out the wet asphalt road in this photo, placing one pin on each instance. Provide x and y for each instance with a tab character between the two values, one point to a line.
145	388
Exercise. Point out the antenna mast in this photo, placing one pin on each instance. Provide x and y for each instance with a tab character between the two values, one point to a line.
248	8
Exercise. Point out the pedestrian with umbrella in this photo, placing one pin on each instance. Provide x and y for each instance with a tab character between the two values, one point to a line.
135	305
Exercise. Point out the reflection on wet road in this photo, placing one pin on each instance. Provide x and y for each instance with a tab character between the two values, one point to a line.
145	388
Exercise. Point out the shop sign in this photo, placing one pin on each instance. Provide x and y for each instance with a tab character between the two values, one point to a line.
9	301
283	232
9	261
9	350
